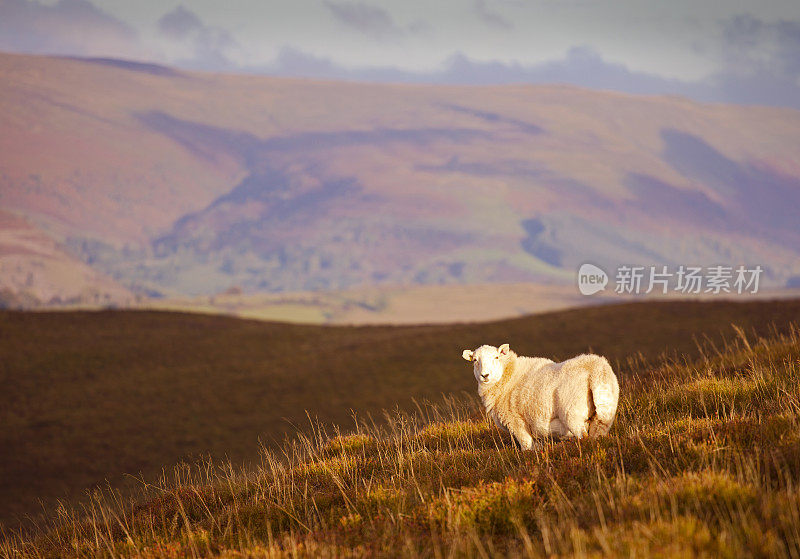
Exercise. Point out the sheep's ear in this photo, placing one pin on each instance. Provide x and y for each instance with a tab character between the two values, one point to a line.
504	349
467	354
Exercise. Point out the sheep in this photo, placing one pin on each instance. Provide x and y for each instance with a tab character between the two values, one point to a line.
536	397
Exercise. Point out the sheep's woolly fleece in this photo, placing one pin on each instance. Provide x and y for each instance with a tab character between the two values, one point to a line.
536	397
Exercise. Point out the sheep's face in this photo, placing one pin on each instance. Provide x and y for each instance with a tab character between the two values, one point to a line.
488	362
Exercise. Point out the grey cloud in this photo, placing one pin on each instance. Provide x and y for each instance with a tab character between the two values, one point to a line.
741	32
370	20
789	40
761	88
752	45
582	66
211	45
211	48
180	23
760	62
72	27
294	62
750	78
491	18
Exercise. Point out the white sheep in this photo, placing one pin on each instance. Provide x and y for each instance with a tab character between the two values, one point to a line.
533	397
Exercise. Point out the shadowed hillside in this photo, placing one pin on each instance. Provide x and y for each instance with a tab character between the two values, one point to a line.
703	460
90	396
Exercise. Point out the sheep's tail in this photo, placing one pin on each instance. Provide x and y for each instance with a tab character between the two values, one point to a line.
604	390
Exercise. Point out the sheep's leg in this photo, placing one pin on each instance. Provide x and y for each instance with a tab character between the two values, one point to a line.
597	428
523	437
499	425
557	428
576	423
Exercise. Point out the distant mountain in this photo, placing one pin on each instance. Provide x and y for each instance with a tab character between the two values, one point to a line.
35	271
175	183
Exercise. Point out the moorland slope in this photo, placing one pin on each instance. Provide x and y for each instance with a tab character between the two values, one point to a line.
704	460
91	396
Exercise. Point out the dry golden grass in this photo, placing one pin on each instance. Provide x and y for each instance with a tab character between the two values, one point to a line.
704	460
91	397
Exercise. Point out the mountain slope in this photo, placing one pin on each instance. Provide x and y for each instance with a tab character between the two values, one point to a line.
35	271
180	183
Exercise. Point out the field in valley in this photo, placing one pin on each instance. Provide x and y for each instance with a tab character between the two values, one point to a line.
414	304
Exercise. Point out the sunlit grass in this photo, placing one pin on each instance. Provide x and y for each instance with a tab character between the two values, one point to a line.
92	397
704	460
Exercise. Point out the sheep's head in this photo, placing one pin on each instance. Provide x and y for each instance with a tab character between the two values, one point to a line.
488	362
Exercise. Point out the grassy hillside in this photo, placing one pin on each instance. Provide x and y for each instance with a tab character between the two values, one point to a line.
184	183
704	460
89	397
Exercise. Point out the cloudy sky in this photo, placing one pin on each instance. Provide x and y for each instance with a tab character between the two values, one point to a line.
745	51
